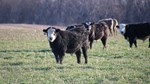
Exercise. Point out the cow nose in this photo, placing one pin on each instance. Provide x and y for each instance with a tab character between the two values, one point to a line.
121	32
50	38
88	29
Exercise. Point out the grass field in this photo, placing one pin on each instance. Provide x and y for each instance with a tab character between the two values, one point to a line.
25	58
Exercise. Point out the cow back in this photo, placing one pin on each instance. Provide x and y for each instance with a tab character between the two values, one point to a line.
140	30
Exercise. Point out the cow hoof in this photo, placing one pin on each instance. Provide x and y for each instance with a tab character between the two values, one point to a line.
85	63
78	62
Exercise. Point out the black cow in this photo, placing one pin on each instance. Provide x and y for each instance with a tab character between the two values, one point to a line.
132	32
62	42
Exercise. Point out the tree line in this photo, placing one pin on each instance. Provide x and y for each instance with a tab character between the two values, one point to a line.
65	12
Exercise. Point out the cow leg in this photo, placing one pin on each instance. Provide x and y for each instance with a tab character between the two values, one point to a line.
135	43
61	57
84	50
91	42
115	31
104	39
78	54
111	31
131	41
56	57
149	43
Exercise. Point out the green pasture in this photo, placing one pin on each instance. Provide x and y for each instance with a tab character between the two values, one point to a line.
25	58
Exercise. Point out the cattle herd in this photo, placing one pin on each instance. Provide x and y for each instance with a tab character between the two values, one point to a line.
78	38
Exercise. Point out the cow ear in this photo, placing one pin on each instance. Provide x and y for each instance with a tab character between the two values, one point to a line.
117	26
57	30
83	23
92	23
45	31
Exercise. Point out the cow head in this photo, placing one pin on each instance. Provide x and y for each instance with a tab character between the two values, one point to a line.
51	33
121	28
88	25
70	27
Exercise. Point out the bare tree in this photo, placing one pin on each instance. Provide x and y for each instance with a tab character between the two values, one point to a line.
65	12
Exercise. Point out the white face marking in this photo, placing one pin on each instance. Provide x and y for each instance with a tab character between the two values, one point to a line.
90	27
51	35
89	24
122	28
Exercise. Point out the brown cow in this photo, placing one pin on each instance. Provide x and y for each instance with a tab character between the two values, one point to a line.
99	31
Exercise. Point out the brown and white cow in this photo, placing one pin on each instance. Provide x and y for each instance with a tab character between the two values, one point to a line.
132	32
111	23
115	23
